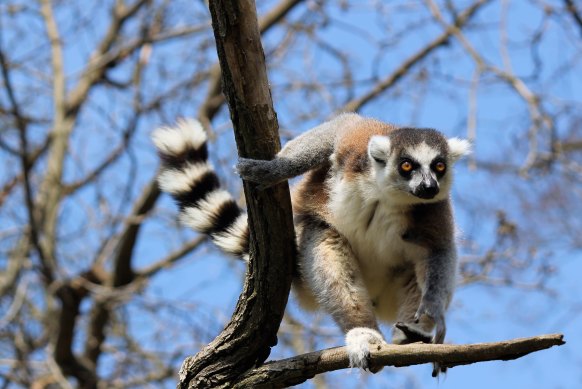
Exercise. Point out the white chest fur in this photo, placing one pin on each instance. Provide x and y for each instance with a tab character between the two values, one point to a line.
374	228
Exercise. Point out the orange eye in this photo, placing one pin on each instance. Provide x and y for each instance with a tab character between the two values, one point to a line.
406	166
440	167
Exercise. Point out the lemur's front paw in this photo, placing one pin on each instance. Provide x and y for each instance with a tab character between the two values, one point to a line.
437	315
358	343
256	170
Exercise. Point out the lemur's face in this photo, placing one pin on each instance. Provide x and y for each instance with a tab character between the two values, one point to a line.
414	165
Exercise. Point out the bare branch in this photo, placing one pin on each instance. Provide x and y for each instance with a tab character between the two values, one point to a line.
411	61
31	158
111	158
171	258
538	115
292	371
122	273
121	13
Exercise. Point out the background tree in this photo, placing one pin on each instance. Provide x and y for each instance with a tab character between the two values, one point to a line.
100	286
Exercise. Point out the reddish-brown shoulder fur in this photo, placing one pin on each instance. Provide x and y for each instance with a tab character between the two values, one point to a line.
310	196
352	147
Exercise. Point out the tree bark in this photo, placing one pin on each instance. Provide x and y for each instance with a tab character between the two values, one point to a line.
252	331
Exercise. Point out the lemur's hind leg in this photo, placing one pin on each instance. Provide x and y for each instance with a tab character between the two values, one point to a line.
328	267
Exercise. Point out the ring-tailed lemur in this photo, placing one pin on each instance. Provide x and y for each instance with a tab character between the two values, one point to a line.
373	218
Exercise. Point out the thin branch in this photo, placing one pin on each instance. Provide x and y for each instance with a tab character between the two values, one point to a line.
171	258
59	87
572	10
32	157
295	370
19	298
100	63
570	146
50	189
539	117
26	161
122	273
416	58
91	75
111	158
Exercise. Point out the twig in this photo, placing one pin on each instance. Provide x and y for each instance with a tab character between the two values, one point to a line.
171	258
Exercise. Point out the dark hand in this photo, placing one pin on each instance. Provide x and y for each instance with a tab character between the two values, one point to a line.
437	315
259	171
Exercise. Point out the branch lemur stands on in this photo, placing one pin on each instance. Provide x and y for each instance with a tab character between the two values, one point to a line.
373	217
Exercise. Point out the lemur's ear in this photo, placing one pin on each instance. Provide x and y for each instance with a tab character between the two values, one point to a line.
458	148
379	148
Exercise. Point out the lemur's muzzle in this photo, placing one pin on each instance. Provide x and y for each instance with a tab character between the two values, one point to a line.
427	189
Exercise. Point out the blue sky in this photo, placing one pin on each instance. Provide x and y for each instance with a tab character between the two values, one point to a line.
196	297
479	313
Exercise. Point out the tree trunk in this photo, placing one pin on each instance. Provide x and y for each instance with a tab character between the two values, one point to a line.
252	331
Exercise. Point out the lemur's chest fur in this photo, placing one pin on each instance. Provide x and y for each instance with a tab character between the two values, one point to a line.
374	229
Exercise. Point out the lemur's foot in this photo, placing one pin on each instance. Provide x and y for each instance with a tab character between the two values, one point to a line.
405	333
358	343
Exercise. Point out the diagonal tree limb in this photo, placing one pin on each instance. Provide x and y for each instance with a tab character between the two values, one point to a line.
121	275
442	40
292	371
246	340
170	259
27	161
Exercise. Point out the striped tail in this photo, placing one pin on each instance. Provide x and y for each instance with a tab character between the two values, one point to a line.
190	179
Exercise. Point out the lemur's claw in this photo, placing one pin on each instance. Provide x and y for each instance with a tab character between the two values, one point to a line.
437	369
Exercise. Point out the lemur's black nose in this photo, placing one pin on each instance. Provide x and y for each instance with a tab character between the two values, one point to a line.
427	189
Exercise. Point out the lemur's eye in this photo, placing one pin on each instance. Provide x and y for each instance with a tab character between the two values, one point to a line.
440	167
406	166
